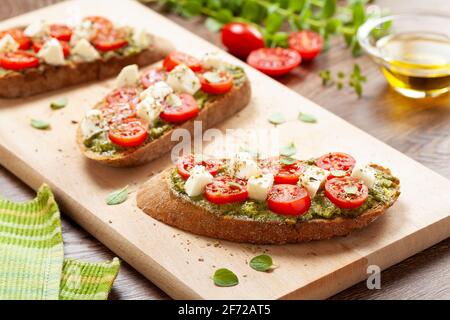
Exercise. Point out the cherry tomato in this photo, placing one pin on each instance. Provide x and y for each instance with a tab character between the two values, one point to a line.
241	39
226	189
185	165
118	111
60	32
337	161
176	114
18	35
289	200
308	43
18	60
175	58
109	40
128	133
153	76
289	174
37	46
123	95
100	22
346	192
274	61
222	83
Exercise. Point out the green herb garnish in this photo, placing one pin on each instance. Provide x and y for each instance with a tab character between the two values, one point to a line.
289	150
304	117
225	278
117	197
40	124
277	118
262	263
356	79
59	104
351	190
287	161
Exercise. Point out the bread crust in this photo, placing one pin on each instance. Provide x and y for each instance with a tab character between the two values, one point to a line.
222	107
34	81
157	199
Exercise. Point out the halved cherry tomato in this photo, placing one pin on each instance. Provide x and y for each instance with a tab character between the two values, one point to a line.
118	111
61	32
18	35
153	76
346	192
100	22
123	95
18	60
226	189
109	40
128	133
337	161
175	58
289	200
274	61
176	114
241	38
185	165
38	44
283	174
222	83
308	43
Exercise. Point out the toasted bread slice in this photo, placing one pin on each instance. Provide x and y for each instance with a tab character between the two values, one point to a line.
213	112
48	78
157	199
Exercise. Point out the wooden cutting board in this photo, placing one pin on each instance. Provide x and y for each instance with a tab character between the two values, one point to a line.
181	263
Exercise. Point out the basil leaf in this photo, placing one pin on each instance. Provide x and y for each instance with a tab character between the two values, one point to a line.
224	15
304	117
288	150
191	8
225	278
117	197
351	189
277	118
287	161
40	124
261	263
329	8
213	25
59	104
273	22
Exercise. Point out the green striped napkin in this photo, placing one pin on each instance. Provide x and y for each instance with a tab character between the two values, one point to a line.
32	264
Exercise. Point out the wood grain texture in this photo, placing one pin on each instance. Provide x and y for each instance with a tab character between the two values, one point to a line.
418	129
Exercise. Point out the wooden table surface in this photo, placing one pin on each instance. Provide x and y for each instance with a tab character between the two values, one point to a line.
418	128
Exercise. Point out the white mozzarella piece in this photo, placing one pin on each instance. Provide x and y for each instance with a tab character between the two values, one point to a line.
313	178
8	44
85	50
366	174
149	109
38	28
183	79
213	60
243	166
141	38
159	91
92	123
128	77
258	187
83	30
52	53
197	182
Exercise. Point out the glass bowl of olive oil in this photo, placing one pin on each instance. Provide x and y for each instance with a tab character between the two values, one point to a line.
413	51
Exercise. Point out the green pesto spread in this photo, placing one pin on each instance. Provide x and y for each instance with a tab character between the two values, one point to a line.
100	143
383	192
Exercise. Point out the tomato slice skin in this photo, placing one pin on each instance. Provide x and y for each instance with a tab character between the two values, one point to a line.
185	164
109	40
274	61
38	44
18	35
123	95
307	43
336	161
128	133
335	192
222	87
241	39
99	22
226	189
288	200
61	32
289	174
117	112
18	60
153	76
188	110
175	58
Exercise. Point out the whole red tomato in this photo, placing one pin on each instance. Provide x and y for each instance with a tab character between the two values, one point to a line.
241	39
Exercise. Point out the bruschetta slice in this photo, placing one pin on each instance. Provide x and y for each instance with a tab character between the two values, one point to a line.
133	124
269	201
48	56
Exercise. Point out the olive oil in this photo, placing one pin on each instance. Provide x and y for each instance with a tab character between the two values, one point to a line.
416	64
